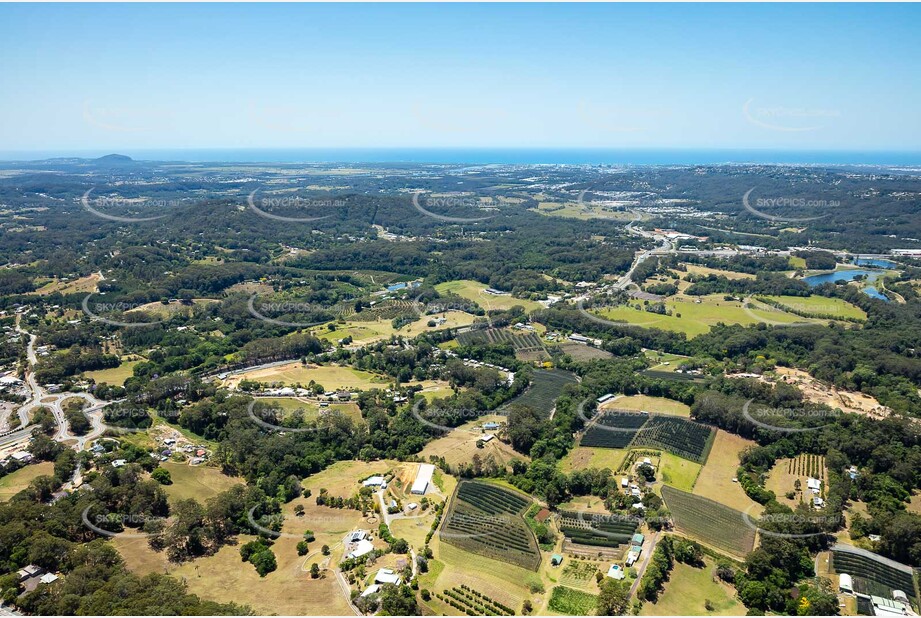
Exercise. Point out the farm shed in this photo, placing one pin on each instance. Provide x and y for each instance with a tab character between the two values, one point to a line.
556	560
423	478
845	583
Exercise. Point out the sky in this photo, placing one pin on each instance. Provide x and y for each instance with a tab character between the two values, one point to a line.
754	76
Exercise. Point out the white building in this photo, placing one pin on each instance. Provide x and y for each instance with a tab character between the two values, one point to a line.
845	583
362	548
387	576
374	481
423	478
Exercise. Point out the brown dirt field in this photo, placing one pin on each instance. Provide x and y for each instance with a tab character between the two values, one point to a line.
715	479
816	392
459	446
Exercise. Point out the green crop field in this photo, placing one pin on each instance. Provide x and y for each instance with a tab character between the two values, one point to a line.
710	522
521	342
572	602
676	435
614	429
546	386
488	520
693	318
622	429
597	529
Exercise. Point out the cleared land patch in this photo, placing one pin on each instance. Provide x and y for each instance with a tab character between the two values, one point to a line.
715	478
695	318
689	589
13	483
476	291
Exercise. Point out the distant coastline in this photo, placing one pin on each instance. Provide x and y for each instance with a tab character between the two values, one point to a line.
484	156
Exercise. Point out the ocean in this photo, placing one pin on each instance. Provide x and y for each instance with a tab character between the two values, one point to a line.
482	156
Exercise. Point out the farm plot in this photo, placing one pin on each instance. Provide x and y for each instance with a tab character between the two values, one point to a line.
872	573
676	435
546	386
571	602
598	530
791	475
614	429
578	574
473	602
525	344
712	523
488	520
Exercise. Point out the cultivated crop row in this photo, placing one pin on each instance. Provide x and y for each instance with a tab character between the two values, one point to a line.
711	522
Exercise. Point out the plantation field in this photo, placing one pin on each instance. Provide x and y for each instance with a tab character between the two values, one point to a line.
715	478
528	346
645	403
710	522
12	484
613	429
452	566
590	529
694	318
475	291
571	602
676	435
329	376
546	386
620	429
115	376
689	588
486	519
197	482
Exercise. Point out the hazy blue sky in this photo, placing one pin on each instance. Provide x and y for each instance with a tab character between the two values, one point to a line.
619	76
